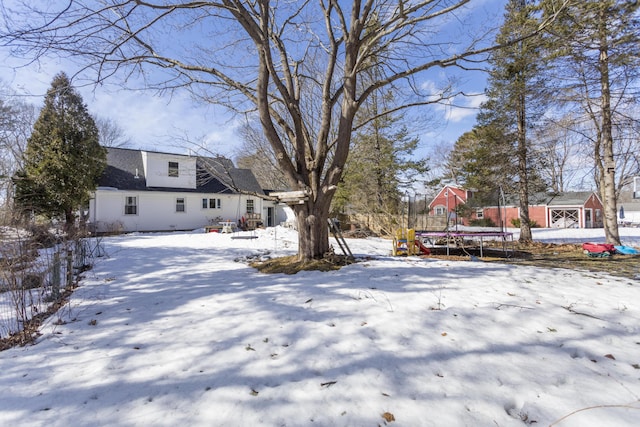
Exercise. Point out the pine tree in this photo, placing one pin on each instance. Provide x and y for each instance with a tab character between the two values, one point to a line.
63	159
482	159
379	166
515	92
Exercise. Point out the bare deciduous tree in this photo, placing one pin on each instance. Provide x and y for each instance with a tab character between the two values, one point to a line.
256	154
16	121
627	151
559	148
297	65
111	133
596	43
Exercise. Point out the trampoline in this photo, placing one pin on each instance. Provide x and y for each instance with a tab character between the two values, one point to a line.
429	237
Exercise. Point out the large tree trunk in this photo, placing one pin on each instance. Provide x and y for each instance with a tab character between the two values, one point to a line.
313	230
69	221
608	164
523	174
526	236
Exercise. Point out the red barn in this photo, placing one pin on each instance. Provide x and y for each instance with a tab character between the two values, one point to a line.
575	209
447	200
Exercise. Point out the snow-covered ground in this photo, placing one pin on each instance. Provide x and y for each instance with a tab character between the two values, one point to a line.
176	330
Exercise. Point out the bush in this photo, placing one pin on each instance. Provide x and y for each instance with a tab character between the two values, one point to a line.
114	228
483	222
516	223
41	236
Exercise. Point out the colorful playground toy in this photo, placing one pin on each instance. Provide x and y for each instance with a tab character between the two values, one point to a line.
405	243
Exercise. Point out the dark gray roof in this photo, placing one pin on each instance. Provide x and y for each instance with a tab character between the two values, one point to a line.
125	171
535	199
246	180
569	198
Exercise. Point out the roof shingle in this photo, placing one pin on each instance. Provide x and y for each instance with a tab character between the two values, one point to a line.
125	171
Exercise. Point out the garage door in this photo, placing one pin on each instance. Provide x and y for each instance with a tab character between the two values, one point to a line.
565	218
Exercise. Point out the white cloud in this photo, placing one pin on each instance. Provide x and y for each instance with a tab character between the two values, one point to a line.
150	121
462	107
453	117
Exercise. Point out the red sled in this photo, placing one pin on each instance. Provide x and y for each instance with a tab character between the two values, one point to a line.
598	249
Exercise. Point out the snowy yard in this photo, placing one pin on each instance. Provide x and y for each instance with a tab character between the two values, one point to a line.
176	330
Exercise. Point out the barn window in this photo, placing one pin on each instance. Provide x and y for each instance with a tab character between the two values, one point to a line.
479	214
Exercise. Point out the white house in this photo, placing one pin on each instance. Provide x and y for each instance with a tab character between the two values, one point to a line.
629	204
152	191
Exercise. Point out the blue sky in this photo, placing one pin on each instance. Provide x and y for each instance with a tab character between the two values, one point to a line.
151	121
162	122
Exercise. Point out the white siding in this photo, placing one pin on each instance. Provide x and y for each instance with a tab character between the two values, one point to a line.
157	210
156	170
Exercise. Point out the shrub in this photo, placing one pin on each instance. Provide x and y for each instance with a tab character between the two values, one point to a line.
516	223
42	236
483	222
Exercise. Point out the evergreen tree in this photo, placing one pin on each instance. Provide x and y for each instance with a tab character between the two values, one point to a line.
515	93
482	160
379	166
63	159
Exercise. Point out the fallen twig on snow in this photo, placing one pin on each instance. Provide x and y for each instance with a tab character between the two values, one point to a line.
571	310
499	305
627	406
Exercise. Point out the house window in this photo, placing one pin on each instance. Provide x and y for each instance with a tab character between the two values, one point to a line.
174	169
250	208
439	210
211	204
180	204
131	205
479	214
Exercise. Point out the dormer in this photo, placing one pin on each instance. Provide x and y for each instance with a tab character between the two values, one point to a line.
169	170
